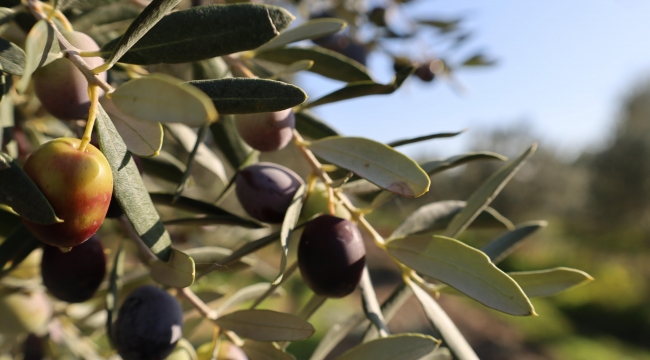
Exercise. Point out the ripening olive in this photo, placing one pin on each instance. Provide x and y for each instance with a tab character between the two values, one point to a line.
317	202
61	87
148	326
74	276
265	190
78	185
266	131
331	256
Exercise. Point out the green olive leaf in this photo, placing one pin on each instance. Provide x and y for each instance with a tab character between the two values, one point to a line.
437	216
418	139
436	166
257	350
402	346
16	247
12	58
311	29
142	24
129	190
162	98
376	162
310	126
41	48
464	268
210	255
327	63
107	14
439	319
363	88
203	155
247	96
482	197
244	295
229	142
178	271
298	66
266	325
204	32
19	191
164	166
288	225
114	287
8	221
143	138
6	15
499	248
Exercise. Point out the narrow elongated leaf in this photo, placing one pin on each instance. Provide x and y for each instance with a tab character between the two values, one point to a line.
178	271
266	325
444	325
41	48
466	269
114	287
6	15
310	126
364	88
401	346
327	63
478	60
143	138
129	190
19	191
139	27
211	255
298	66
311	29
437	215
204	32
16	247
100	15
164	166
188	204
229	142
389	308
256	350
12	58
288	224
203	155
335	334
161	98
436	166
499	248
551	281
214	220
246	96
484	195
375	162
540	283
243	295
422	138
370	304
9	220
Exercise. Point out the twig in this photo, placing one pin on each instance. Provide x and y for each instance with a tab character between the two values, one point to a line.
202	307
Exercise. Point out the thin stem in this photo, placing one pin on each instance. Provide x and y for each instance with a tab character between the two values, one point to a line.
202	307
92	115
287	274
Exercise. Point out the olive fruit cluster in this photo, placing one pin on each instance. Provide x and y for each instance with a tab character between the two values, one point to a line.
78	185
148	326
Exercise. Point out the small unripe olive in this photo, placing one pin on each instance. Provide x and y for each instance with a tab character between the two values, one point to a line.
74	276
148	326
61	87
331	256
265	190
317	202
266	131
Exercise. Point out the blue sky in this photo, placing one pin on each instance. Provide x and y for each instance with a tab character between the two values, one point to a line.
563	68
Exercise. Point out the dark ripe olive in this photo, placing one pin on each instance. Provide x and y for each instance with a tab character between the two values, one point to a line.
33	348
266	131
74	276
424	72
265	190
148	326
331	256
61	87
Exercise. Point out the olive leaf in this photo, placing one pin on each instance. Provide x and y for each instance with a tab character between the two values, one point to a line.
499	248
288	225
310	126
41	48
436	166
142	138
376	162
19	191
12	58
363	88
266	325
264	350
327	63
114	287
16	247
418	139
204	32
246	96
229	142
178	271
404	346
129	190
311	29
193	144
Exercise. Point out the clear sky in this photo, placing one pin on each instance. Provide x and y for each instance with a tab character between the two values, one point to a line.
563	68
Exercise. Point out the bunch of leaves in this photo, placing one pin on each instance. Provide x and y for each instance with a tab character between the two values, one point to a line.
187	182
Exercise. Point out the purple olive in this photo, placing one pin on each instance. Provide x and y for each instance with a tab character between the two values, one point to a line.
74	276
148	326
267	131
61	87
424	72
331	256
33	348
265	190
